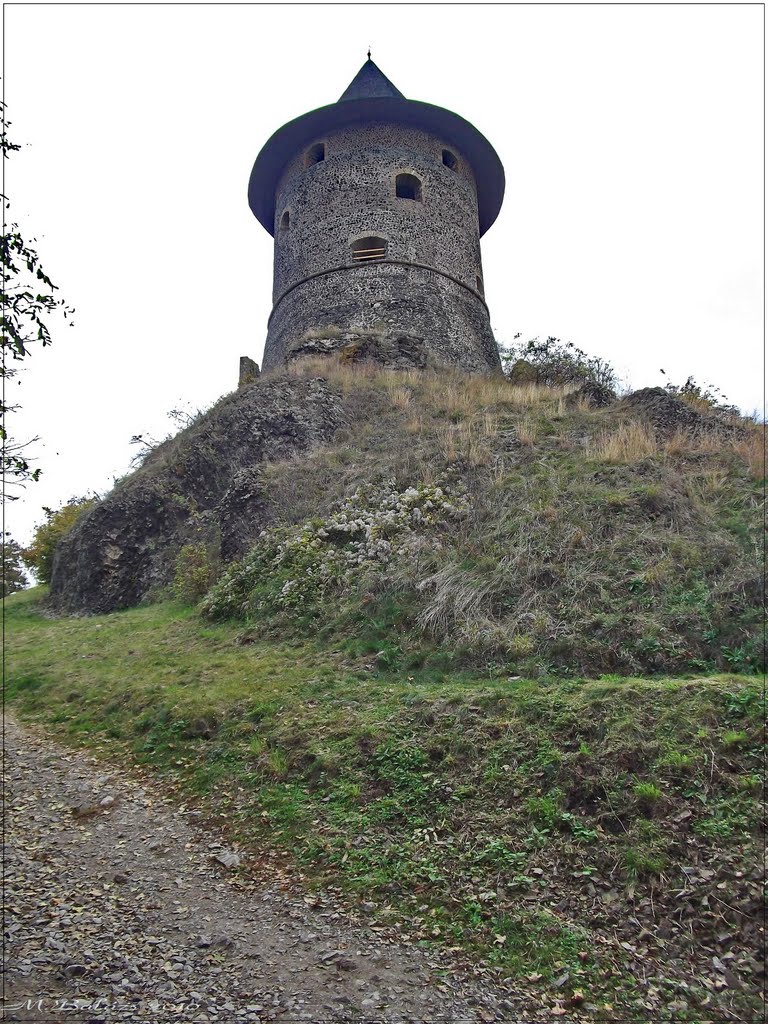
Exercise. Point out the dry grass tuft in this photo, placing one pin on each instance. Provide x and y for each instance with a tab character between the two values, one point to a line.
455	400
712	481
415	424
680	443
752	450
527	431
315	333
535	396
468	441
489	391
446	443
489	425
330	367
400	397
711	442
632	442
457	598
750	446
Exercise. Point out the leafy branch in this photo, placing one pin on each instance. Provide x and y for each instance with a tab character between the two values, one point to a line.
28	301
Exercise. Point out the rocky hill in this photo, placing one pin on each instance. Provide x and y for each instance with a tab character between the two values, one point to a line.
536	526
200	487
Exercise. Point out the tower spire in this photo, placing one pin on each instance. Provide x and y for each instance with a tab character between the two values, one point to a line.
370	83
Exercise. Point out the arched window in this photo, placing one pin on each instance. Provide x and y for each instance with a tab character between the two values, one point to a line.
450	160
285	221
408	186
315	154
369	248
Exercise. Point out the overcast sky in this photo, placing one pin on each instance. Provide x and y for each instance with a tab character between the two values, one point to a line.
631	136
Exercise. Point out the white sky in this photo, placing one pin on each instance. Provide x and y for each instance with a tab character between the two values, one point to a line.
631	136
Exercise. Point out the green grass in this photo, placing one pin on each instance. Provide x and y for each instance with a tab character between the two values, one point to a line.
477	807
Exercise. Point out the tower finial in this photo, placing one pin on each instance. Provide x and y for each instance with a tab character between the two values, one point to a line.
369	51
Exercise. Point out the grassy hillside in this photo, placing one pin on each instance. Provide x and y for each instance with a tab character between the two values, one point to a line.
491	667
514	526
596	840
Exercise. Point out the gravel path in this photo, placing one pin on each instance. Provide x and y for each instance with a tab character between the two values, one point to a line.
117	909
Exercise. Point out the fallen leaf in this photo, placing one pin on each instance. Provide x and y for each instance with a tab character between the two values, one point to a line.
227	858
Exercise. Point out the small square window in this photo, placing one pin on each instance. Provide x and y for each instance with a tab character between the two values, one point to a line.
408	186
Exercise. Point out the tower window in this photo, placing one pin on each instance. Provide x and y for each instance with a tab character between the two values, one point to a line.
285	221
479	283
450	160
315	154
370	248
408	186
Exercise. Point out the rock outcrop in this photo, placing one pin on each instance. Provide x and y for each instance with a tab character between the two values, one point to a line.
201	486
396	351
670	415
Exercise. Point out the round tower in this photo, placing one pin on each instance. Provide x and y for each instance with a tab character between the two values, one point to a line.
377	205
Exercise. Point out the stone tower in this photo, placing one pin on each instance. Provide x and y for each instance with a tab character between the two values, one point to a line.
377	205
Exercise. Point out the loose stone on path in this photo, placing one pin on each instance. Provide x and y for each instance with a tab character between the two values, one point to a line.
120	908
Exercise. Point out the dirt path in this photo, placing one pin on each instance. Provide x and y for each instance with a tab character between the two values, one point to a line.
117	910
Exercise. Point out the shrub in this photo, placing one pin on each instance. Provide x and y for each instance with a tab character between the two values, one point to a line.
13	574
702	396
555	363
196	570
290	569
39	555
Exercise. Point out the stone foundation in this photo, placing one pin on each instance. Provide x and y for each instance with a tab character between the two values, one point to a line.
444	322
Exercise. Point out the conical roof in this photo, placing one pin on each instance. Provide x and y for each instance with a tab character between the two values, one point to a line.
370	96
370	82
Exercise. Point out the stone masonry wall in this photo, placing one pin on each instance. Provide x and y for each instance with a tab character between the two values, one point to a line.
450	324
